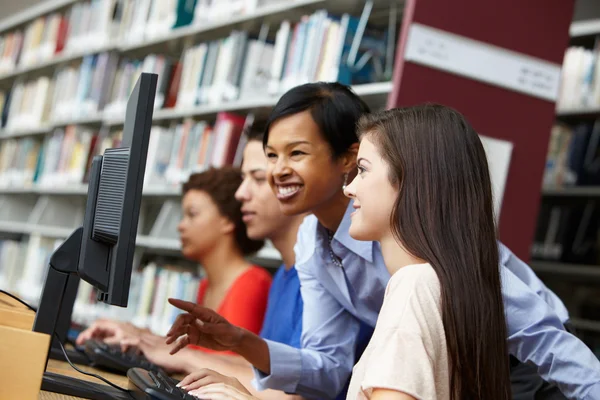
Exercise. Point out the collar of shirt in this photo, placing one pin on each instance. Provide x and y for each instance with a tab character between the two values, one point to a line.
342	235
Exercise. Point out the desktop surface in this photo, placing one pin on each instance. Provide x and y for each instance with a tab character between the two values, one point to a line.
63	368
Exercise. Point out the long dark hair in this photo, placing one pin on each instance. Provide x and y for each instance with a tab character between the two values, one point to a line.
334	107
444	215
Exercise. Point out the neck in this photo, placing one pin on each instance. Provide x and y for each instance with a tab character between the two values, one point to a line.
395	256
285	240
330	214
222	262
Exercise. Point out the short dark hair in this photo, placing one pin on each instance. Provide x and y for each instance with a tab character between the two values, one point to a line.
334	107
221	184
256	132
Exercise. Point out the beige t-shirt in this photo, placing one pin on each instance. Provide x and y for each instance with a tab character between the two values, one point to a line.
407	351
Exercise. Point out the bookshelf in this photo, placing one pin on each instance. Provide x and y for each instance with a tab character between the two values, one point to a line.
566	248
576	191
585	28
71	86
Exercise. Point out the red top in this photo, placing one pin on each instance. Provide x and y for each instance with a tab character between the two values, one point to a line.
246	300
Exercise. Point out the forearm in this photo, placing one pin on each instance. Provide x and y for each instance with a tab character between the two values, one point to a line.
255	350
194	360
229	365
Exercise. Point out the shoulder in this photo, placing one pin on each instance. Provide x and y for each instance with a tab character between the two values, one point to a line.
306	240
251	286
413	278
257	275
413	295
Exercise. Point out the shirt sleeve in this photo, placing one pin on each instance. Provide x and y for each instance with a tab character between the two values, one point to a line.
527	276
247	301
537	336
321	368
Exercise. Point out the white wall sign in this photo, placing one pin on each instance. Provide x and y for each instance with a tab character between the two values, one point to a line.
483	62
498	154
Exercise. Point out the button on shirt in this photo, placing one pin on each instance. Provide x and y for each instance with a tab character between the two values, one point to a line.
337	298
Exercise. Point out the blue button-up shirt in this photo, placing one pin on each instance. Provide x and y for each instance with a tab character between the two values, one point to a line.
336	299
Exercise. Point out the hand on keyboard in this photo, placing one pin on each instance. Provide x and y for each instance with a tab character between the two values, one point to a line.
220	391
206	377
109	331
157	352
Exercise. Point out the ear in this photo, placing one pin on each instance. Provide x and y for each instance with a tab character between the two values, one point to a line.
226	226
348	159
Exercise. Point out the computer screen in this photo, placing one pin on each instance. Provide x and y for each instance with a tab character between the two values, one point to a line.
113	203
101	251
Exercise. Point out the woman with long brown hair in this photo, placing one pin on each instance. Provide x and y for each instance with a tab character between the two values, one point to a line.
423	191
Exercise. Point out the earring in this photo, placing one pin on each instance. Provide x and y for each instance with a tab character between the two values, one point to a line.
345	181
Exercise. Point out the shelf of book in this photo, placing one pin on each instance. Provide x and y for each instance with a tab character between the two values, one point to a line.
581	112
42	230
273	12
81	190
57	60
283	9
585	28
30	13
589	273
574	191
267	253
585	325
375	94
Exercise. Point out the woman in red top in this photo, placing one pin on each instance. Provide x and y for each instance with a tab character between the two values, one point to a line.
213	233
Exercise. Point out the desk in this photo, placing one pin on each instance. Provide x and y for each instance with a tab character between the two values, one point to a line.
63	368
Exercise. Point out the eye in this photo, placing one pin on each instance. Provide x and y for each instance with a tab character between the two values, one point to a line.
271	155
297	153
361	170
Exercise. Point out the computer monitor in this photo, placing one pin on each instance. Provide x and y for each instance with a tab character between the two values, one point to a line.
101	251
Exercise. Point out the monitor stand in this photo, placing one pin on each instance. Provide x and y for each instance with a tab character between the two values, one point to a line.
54	303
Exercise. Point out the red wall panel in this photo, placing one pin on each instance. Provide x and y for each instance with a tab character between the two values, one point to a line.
534	27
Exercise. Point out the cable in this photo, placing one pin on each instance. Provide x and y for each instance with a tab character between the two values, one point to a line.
65	352
19	300
89	373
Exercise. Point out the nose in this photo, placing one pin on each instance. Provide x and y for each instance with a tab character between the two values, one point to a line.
243	192
180	226
280	169
350	190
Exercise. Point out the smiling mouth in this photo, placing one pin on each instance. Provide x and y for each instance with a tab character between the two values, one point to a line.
288	191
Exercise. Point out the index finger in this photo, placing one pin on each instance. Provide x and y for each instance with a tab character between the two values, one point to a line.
183	305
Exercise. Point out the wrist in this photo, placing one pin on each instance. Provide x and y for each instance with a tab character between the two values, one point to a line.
244	341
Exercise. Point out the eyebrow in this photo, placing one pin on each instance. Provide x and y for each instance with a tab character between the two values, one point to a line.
363	159
291	144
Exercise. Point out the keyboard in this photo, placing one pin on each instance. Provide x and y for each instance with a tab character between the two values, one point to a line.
155	385
111	358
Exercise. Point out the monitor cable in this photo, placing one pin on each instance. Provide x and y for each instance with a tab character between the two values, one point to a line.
65	352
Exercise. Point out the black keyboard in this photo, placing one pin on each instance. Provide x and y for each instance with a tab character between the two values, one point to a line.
155	385
111	358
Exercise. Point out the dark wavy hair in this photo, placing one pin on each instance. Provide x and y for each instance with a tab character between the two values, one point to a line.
220	184
444	215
